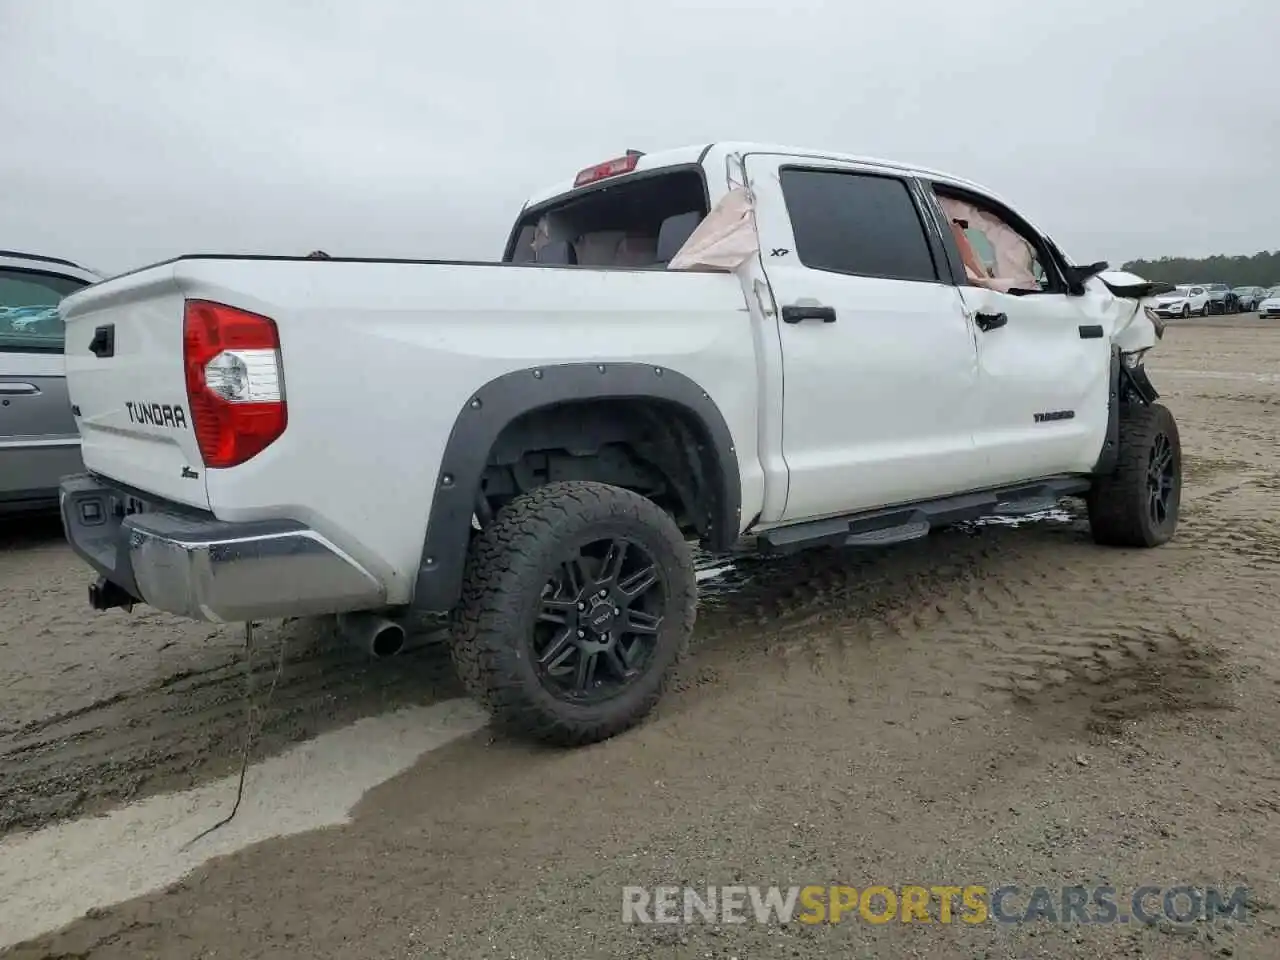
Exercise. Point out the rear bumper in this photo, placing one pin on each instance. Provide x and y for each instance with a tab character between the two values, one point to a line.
199	567
31	470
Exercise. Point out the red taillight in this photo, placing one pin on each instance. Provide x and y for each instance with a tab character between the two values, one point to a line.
610	168
234	382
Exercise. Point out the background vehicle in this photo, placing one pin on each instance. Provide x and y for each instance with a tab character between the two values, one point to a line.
1182	301
1221	299
39	443
1248	298
820	360
1269	307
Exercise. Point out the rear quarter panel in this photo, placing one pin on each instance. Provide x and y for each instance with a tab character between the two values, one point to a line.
380	358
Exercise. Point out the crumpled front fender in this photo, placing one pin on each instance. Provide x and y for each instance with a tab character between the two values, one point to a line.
1130	299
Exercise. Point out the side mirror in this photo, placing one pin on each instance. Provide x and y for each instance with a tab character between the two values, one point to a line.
1139	291
1077	277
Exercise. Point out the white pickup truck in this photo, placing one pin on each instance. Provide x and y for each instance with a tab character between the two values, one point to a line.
749	346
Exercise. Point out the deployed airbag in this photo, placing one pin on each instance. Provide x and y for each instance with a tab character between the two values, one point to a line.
725	239
1014	257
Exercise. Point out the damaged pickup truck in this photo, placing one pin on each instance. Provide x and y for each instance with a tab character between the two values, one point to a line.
754	347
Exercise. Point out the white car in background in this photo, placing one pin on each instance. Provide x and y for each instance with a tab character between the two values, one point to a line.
1183	301
1270	305
39	440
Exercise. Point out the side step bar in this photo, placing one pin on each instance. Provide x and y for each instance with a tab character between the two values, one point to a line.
891	525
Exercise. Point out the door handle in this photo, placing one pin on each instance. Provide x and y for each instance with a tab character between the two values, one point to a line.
796	312
11	389
103	343
990	321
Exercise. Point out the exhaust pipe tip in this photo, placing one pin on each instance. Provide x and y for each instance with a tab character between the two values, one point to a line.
373	633
387	640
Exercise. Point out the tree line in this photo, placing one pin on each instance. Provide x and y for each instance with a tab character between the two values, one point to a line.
1260	270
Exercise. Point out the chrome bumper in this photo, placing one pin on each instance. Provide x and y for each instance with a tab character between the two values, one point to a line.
189	563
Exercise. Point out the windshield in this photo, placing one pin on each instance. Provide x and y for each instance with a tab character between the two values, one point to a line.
1274	292
29	318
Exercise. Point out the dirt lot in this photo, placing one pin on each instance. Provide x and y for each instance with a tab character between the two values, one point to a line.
997	705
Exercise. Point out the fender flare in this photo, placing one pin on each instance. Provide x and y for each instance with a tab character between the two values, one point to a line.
1127	384
1110	451
499	402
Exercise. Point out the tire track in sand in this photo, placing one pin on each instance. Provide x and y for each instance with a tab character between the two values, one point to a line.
1044	620
189	726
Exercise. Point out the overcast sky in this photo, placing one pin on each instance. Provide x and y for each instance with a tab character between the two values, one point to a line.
135	130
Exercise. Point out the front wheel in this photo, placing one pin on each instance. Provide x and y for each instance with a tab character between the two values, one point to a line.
578	603
1186	311
1137	504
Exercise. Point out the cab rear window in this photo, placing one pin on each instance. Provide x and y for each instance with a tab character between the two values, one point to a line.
639	220
29	318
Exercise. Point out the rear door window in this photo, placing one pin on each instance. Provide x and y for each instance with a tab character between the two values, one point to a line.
29	318
859	224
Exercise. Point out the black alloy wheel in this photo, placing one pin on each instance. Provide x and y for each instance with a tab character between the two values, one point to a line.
1160	479
599	620
578	604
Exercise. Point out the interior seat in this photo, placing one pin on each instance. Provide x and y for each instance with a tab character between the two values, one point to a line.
636	250
557	251
673	233
599	248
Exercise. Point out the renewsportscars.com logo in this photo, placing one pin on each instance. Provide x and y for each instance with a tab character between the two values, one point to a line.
970	904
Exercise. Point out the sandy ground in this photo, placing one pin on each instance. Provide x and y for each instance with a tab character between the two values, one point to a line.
996	705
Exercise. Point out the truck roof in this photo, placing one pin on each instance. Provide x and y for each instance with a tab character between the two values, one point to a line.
716	154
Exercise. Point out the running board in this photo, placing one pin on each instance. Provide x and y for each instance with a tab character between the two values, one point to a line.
1019	508
892	525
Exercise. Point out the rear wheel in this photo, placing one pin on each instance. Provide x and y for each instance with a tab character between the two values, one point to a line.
1204	311
1137	505
578	604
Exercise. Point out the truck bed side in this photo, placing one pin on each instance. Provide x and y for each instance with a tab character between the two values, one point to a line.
380	358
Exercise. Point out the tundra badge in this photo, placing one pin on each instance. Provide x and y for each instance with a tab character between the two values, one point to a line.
157	414
1055	415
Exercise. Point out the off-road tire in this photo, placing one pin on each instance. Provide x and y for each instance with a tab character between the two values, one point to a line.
509	564
1119	504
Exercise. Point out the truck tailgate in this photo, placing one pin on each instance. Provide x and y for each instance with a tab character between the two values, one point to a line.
125	377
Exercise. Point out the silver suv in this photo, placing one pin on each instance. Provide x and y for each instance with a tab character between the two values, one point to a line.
39	442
